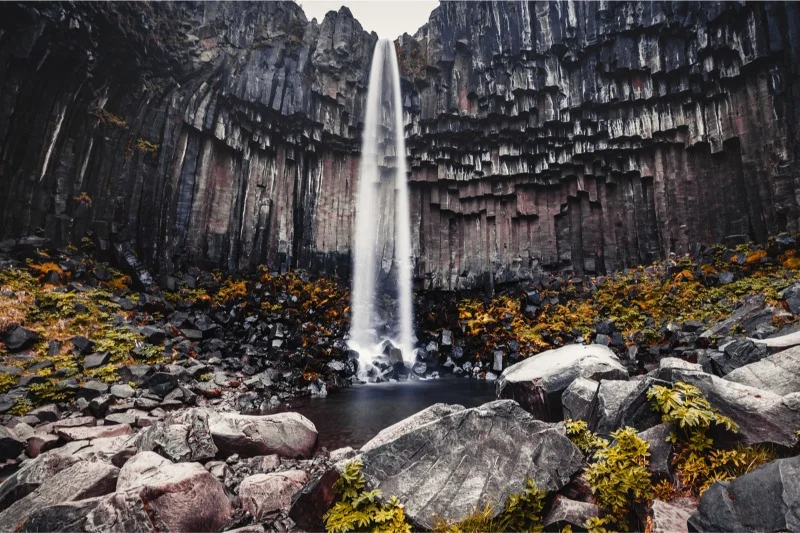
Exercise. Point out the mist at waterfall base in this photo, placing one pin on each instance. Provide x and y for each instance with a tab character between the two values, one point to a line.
381	309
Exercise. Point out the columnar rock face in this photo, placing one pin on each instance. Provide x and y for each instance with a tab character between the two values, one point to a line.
583	136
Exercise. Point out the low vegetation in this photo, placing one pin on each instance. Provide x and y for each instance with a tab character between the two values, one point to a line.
640	302
618	473
358	509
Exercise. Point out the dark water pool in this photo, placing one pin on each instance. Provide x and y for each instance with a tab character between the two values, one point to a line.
350	417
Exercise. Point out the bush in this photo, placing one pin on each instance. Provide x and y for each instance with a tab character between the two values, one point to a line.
697	463
359	509
522	512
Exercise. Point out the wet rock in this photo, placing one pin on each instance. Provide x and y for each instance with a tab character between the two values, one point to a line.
671	517
466	457
285	434
565	512
792	297
84	479
19	338
538	382
765	499
779	373
576	400
262	494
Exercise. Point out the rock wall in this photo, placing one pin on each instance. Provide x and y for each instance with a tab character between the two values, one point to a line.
584	136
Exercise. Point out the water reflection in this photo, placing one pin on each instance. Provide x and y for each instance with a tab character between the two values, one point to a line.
350	417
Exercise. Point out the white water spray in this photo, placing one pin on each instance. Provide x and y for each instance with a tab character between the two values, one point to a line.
379	248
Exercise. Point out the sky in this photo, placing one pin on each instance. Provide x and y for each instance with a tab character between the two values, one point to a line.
388	18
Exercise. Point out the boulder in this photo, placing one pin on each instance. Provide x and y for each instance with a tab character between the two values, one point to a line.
84	479
19	338
735	354
136	374
565	511
780	341
766	499
467	457
671	517
184	437
262	494
96	360
68	517
32	475
11	445
762	416
161	383
609	402
576	400
39	443
779	373
122	391
314	500
411	424
538	382
660	460
177	496
286	434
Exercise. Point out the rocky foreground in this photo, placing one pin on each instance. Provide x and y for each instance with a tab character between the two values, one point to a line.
661	398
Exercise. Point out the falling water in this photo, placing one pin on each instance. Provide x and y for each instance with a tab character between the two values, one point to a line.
382	252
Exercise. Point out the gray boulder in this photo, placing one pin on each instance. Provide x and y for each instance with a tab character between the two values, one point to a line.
84	479
32	475
565	511
463	459
576	400
411	424
538	382
611	398
735	354
660	460
766	499
177	496
183	437
779	373
671	517
286	434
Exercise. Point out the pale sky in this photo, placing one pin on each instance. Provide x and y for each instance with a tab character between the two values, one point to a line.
388	18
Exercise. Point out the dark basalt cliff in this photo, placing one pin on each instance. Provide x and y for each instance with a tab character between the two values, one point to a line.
558	135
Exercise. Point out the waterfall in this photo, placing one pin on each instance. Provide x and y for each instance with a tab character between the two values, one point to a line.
382	239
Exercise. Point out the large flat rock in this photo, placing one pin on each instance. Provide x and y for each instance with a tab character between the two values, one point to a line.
538	382
467	457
